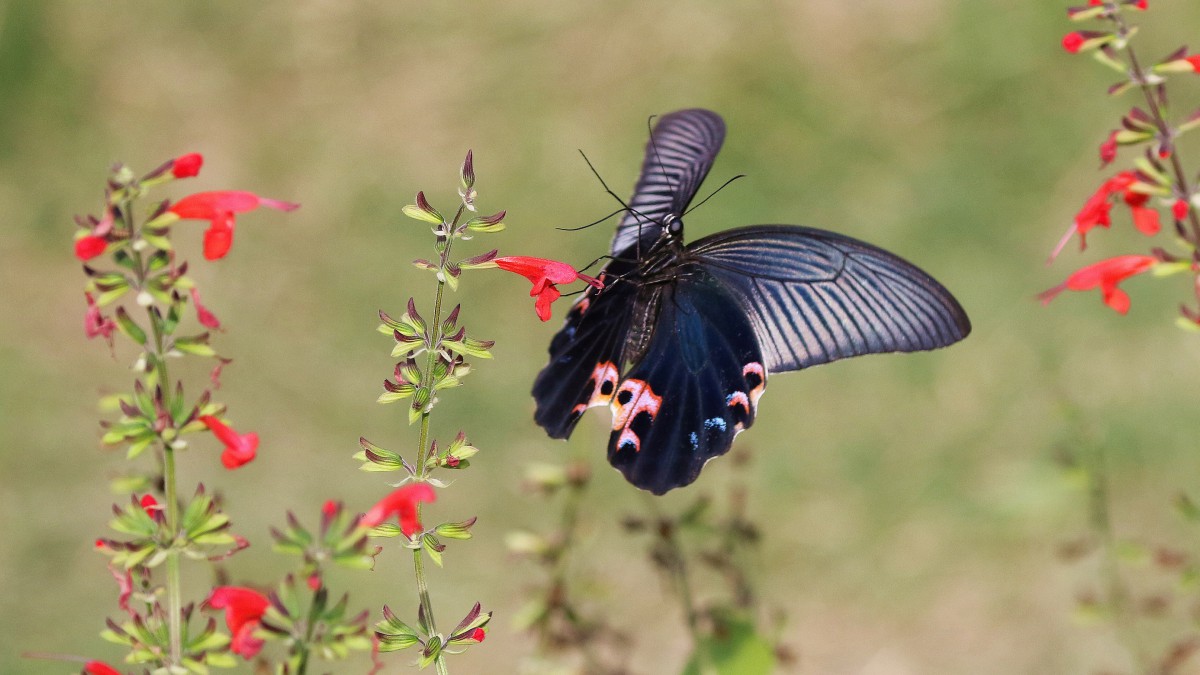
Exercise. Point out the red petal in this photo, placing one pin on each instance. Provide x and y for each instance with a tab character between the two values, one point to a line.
89	247
99	668
1146	220
187	165
206	318
1180	209
542	306
1072	42
207	205
217	241
402	501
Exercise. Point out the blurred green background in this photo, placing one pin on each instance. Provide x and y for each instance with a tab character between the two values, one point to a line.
913	504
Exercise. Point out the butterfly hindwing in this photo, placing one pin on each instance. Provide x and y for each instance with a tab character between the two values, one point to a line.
682	148
584	356
696	387
815	296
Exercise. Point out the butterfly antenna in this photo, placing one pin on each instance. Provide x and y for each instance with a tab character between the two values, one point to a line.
714	192
593	263
584	227
625	207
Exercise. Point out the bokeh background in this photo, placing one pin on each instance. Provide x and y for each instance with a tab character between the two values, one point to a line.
913	505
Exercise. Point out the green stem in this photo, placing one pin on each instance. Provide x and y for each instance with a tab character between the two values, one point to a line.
435	339
170	483
302	647
174	583
1100	519
1164	130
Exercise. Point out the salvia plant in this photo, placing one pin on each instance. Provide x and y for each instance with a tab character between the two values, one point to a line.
138	290
432	358
1146	592
1157	182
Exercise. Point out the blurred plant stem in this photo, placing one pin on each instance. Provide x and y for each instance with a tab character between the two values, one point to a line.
1100	521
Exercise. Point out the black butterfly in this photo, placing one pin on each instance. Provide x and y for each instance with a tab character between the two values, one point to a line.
681	339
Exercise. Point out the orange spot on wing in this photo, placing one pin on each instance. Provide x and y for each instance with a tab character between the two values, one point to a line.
756	377
604	373
641	399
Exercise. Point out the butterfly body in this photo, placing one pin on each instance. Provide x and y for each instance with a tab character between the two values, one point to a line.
681	339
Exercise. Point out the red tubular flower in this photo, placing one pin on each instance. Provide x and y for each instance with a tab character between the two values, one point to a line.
1095	211
544	274
1104	275
1195	61
1180	209
239	448
478	635
149	504
207	318
219	209
244	608
95	323
403	502
124	585
186	166
1073	41
89	246
1108	149
95	242
99	668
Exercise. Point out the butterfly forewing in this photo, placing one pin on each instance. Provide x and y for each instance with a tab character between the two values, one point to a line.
682	148
696	387
585	355
815	296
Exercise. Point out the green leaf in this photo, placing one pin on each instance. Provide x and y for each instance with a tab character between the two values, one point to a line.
738	651
433	648
157	241
455	530
129	327
197	345
432	547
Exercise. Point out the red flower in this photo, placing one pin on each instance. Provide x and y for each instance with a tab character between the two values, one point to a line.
207	318
94	242
1095	211
89	246
1195	61
544	274
99	668
244	608
1108	149
150	504
478	635
239	448
1105	274
187	165
1073	41
219	208
95	323
125	587
402	501
1145	219
1180	209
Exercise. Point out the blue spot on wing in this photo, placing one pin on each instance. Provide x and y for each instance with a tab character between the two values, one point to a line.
715	423
694	439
